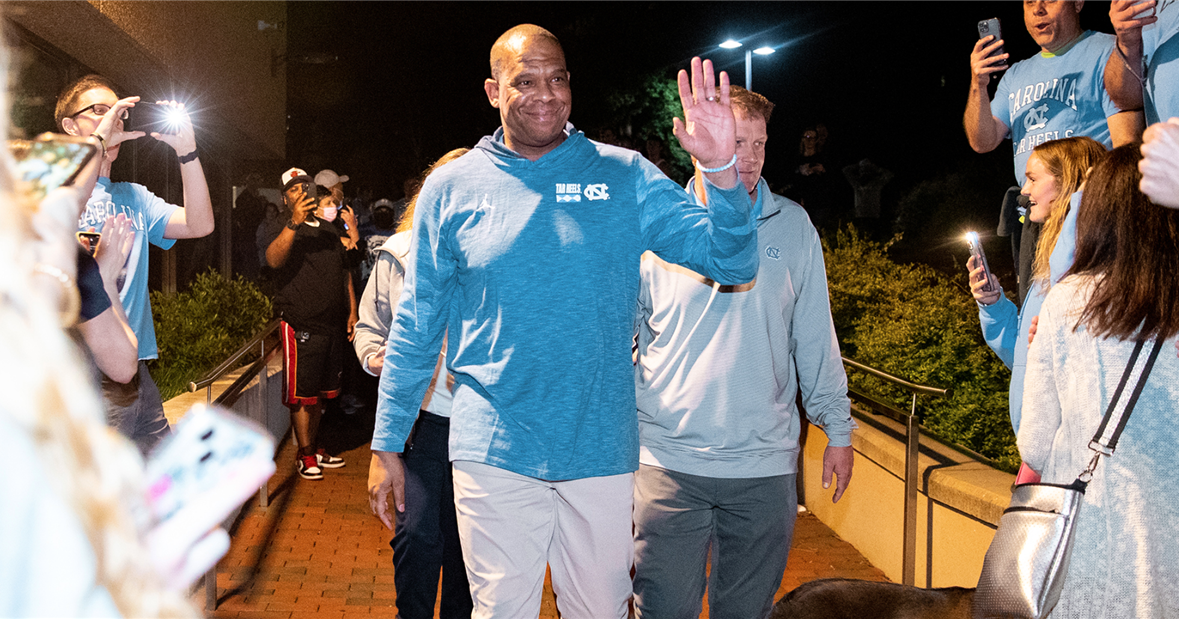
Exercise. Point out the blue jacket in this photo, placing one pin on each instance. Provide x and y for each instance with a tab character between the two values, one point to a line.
1006	330
534	267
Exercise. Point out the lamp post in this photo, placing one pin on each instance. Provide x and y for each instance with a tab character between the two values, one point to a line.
764	50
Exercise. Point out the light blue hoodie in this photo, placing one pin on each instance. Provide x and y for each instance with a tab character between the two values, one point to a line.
1006	330
534	267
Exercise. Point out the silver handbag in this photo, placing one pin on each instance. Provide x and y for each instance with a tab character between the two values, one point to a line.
1026	564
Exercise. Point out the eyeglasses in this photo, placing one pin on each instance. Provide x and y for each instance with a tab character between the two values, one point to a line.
99	109
810	137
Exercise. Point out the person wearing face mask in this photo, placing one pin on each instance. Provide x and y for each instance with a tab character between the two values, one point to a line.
318	308
333	209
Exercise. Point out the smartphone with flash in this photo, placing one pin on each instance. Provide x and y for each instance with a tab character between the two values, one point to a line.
976	250
154	117
213	458
992	27
50	161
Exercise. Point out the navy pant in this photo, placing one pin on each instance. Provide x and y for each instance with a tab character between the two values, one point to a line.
426	538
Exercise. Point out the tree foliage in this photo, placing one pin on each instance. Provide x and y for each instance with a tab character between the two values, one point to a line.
911	321
200	327
648	109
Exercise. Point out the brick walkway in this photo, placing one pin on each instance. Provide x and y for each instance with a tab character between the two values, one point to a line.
317	551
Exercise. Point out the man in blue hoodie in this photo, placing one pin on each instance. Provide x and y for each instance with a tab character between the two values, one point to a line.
527	249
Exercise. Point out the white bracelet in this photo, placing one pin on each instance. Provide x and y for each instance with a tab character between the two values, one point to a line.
732	162
69	289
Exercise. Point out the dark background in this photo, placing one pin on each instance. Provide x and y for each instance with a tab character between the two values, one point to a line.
889	79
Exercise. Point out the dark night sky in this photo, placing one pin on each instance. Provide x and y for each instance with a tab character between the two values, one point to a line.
888	78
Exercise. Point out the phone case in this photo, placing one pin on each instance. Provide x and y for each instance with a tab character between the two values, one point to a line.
989	27
976	249
50	161
209	447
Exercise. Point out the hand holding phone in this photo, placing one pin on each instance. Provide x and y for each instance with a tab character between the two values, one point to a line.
113	128
982	283
158	117
989	56
305	204
168	122
1128	17
212	463
50	161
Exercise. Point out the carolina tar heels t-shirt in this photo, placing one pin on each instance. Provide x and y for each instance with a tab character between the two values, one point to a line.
1160	47
1052	96
149	215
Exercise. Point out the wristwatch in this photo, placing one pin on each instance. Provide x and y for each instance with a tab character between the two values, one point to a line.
291	225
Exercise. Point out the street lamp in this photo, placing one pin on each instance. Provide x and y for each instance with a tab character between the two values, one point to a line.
764	50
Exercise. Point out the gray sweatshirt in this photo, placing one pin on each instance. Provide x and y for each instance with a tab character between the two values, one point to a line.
719	366
376	313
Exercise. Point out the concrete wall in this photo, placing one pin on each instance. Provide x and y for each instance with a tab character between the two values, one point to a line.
959	503
213	52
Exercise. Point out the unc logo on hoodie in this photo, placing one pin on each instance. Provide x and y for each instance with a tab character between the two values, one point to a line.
572	192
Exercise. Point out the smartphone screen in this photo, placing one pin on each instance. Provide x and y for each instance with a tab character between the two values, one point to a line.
50	161
89	240
992	27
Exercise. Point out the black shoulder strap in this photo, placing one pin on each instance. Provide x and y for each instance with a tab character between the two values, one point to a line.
1137	370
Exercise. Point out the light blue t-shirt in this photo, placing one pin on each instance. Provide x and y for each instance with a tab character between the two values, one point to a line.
149	215
1049	97
530	269
1160	49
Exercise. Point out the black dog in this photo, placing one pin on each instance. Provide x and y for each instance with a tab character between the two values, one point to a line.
840	598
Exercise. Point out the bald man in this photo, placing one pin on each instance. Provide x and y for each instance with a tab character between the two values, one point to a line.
527	249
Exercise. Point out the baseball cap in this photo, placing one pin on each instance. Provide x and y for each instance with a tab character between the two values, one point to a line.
329	178
383	203
292	175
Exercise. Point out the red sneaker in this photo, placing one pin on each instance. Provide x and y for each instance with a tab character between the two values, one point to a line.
328	461
308	467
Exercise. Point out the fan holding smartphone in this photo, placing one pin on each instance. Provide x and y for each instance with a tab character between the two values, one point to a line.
1055	172
1057	93
90	107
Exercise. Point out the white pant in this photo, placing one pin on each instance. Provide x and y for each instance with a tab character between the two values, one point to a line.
512	525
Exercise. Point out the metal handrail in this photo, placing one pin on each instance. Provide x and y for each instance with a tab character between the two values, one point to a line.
228	398
896	380
231	394
230	363
912	448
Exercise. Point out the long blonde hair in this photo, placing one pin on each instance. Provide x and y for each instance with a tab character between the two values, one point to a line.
51	398
1067	159
406	222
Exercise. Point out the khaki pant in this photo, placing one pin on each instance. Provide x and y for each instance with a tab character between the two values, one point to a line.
511	526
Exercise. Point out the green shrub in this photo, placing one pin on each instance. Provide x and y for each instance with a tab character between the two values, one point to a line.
913	322
198	328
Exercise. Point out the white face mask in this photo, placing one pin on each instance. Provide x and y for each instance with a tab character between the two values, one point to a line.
329	213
